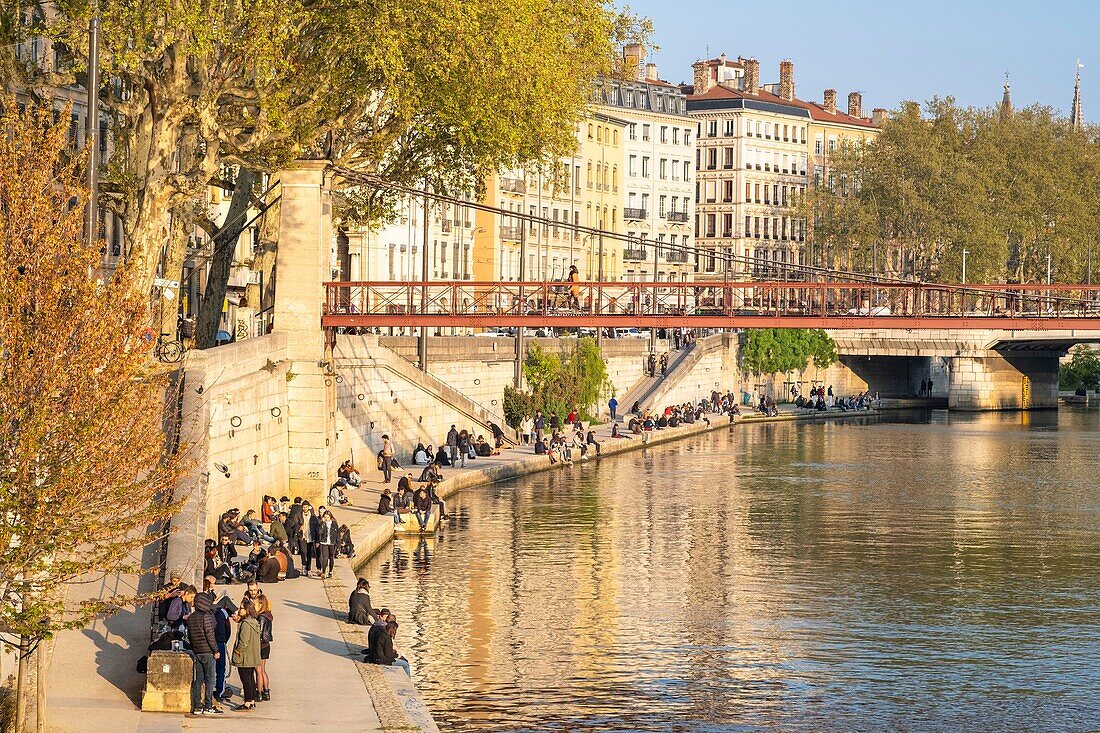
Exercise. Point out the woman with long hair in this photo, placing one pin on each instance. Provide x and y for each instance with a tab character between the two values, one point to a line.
246	652
264	616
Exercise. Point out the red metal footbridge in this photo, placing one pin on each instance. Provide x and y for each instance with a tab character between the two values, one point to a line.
711	304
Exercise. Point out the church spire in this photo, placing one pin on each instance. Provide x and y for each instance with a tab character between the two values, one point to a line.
1006	101
1075	117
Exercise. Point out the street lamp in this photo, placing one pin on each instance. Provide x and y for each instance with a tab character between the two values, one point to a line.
1048	268
965	253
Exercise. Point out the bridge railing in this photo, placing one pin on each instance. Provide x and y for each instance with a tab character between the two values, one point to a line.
546	299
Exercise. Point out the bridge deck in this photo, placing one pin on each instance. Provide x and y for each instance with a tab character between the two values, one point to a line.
711	305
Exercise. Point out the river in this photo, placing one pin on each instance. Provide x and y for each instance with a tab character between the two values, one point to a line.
924	572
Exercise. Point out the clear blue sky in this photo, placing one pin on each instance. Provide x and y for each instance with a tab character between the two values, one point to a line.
893	50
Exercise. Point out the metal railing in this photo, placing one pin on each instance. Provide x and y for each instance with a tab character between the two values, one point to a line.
634	254
677	216
714	304
633	214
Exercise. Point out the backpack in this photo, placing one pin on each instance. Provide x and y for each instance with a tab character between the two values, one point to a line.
265	630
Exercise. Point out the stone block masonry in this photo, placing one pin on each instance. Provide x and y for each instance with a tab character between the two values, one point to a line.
1003	381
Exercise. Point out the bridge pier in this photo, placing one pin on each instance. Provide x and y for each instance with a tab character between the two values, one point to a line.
1003	380
305	230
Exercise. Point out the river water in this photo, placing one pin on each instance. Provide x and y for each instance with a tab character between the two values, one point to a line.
927	572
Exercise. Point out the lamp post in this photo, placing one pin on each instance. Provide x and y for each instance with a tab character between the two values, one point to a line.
91	135
965	253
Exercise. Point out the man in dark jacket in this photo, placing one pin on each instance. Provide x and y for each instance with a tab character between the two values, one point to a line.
293	524
278	529
201	630
223	630
452	444
384	652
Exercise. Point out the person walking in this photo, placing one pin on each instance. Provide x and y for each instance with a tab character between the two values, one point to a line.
452	445
574	288
246	652
265	617
664	364
307	537
652	364
328	537
387	459
613	406
201	630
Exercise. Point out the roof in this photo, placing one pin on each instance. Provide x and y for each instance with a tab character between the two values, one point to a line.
719	93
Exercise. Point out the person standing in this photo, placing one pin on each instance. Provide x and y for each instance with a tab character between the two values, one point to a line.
574	288
265	617
526	428
452	445
387	459
328	537
540	425
204	647
246	652
651	365
293	524
613	406
664	364
307	537
463	447
223	631
929	392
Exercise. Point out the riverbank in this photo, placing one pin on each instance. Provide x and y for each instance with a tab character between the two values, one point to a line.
371	532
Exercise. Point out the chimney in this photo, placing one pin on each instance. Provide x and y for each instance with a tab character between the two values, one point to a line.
633	58
855	104
702	77
786	79
879	116
752	76
651	72
830	101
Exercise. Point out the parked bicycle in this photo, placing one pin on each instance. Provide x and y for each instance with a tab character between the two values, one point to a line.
168	351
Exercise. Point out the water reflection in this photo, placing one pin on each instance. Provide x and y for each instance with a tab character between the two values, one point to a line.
928	573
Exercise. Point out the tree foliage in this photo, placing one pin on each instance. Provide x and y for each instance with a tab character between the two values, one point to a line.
1008	189
86	469
559	383
771	350
414	90
1082	371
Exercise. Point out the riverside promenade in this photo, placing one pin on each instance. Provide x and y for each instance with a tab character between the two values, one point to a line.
94	686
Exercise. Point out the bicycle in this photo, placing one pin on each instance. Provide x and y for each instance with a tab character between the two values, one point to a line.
167	351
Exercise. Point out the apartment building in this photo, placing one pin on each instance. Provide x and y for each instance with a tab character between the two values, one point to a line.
658	180
584	189
756	152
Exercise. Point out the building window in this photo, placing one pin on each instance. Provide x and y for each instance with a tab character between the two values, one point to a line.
712	128
712	158
632	165
710	225
662	169
832	143
645	133
727	158
661	206
645	166
819	144
687	171
727	191
632	131
727	225
676	136
589	131
729	128
664	134
748	220
687	136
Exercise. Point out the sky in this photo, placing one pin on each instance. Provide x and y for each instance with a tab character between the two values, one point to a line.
893	51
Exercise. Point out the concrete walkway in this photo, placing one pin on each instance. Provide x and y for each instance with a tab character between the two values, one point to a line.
315	684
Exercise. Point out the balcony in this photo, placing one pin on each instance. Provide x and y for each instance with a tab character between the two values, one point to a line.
634	254
677	216
512	234
514	185
632	214
676	255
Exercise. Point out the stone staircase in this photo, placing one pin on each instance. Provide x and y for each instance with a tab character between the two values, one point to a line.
648	390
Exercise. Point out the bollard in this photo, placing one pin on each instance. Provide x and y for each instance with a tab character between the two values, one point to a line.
168	683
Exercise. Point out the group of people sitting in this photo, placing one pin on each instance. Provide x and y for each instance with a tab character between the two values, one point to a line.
822	399
414	503
383	629
284	529
560	447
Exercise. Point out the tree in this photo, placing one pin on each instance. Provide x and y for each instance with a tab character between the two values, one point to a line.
771	350
86	468
437	91
1008	190
1082	371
